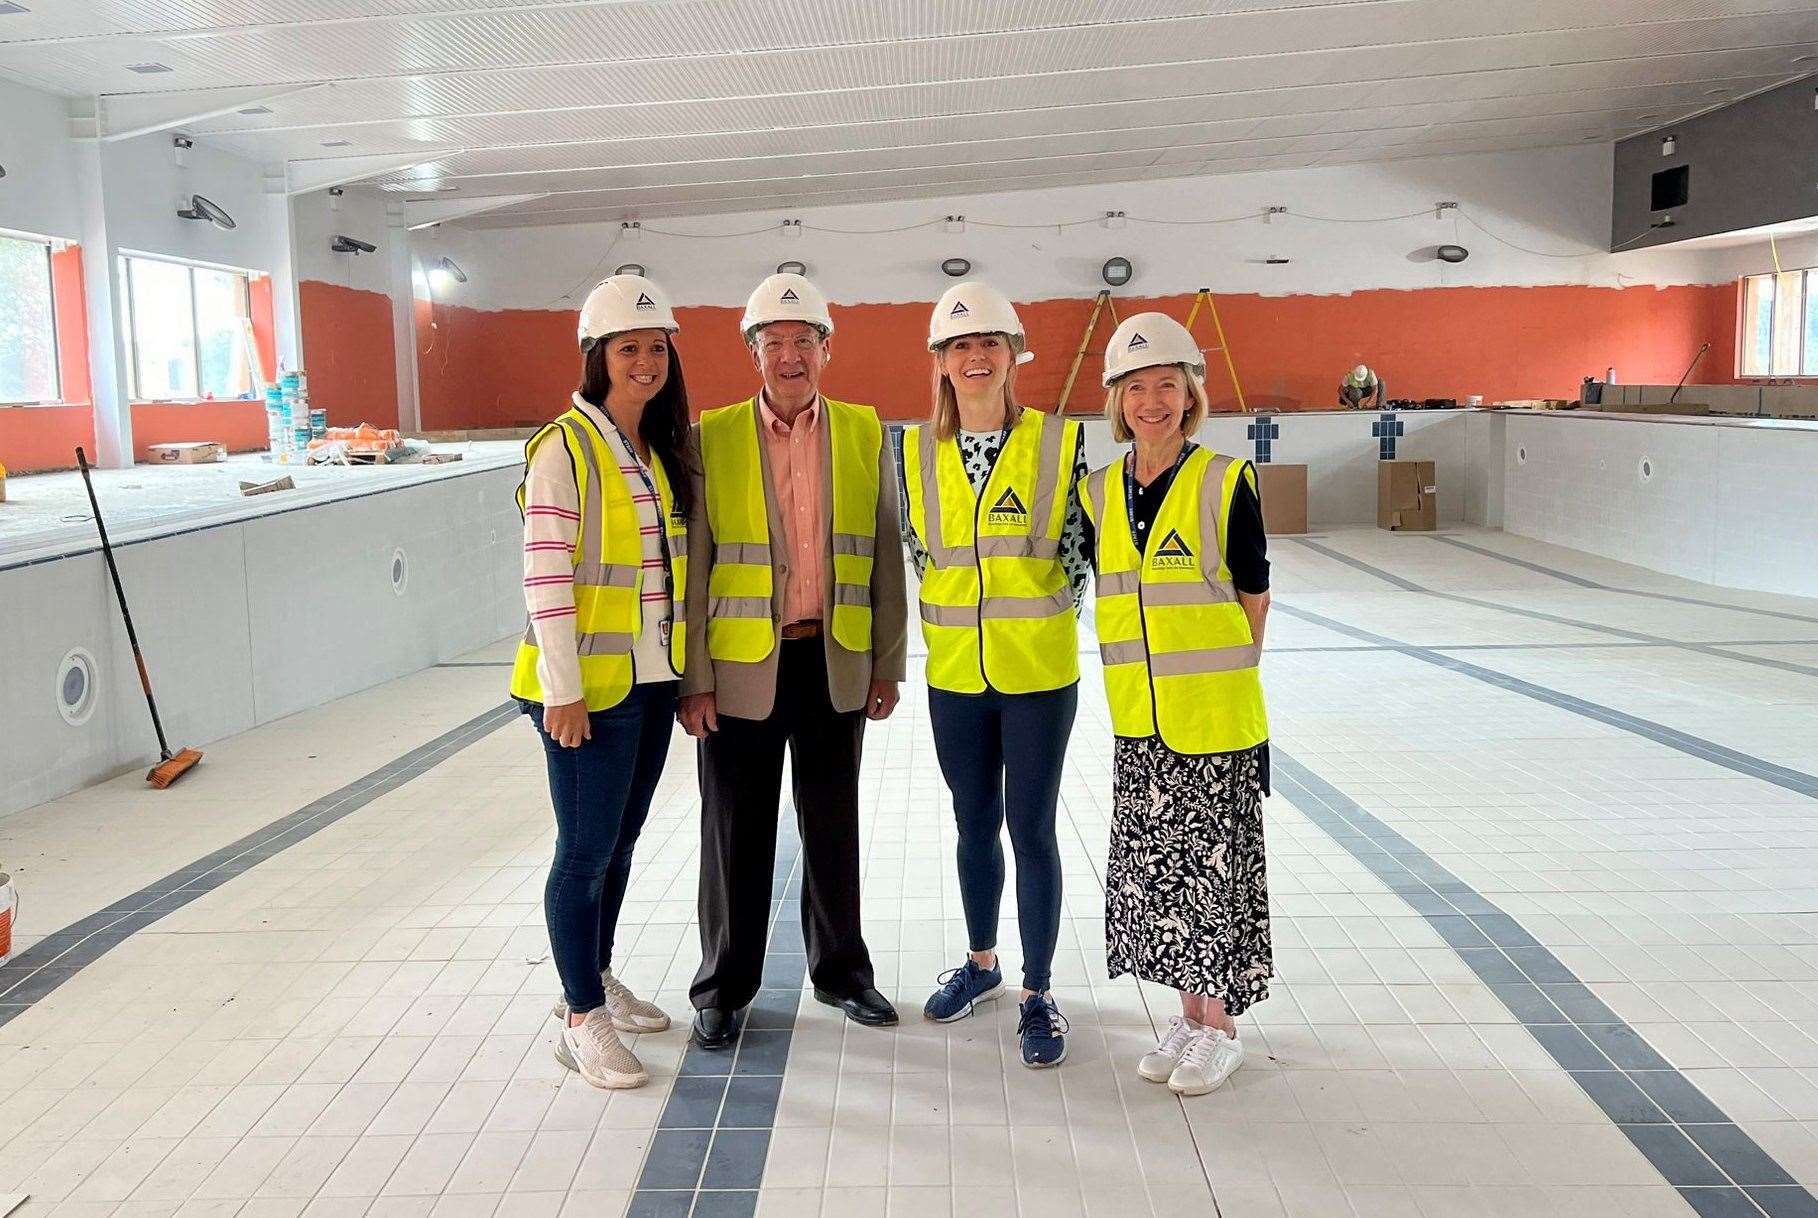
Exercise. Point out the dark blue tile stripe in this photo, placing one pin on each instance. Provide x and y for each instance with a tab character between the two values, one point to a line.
1408	585
1582	582
1694	746
53	960
1695	1146
713	1137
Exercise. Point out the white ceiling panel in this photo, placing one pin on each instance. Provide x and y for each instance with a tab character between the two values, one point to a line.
684	107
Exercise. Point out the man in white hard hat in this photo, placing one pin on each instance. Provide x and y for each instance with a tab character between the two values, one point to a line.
797	592
1360	388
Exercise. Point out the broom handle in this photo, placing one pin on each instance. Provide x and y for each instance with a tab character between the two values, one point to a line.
132	636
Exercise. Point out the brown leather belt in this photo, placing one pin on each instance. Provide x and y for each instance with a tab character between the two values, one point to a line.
802	630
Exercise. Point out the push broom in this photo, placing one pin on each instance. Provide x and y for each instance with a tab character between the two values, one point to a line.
173	765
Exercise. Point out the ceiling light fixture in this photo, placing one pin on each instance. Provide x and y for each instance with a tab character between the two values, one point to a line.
251	110
337	143
8	8
149	68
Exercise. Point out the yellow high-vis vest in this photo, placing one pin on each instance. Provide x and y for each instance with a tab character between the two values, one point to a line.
997	609
741	623
1178	654
608	568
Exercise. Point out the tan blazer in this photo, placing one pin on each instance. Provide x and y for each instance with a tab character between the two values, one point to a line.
748	691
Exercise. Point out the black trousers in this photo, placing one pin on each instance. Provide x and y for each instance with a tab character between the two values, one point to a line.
741	768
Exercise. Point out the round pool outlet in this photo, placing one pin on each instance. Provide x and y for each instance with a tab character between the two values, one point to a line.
76	687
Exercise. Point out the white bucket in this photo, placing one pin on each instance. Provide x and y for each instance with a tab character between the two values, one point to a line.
9	906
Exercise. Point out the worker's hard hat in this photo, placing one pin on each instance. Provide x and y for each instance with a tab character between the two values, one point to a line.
1150	340
1361	375
786	297
975	308
621	303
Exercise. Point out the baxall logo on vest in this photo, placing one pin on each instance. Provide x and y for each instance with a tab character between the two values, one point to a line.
1008	510
1173	552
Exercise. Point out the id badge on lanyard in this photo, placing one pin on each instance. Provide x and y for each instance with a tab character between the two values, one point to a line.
667	625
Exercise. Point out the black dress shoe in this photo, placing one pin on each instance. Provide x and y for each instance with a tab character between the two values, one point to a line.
714	1028
867	1007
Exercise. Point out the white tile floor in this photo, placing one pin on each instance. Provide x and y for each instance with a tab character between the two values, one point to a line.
359	1024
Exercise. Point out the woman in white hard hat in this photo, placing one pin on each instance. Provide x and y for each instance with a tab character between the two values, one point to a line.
606	494
1183	593
998	539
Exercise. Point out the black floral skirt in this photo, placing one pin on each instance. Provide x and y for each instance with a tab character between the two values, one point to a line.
1186	888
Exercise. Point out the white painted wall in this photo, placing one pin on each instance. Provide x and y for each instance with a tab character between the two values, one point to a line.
145	187
362	214
269	616
1724	503
35	148
1550	200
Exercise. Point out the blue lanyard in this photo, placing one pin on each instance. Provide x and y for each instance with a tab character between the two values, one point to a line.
1130	487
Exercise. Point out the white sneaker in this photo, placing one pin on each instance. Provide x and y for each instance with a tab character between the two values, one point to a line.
594	1051
1209	1060
1158	1063
629	1012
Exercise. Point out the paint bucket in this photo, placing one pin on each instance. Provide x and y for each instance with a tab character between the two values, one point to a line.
9	907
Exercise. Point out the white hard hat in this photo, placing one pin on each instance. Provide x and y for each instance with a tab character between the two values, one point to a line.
785	297
975	308
621	303
1150	340
1361	375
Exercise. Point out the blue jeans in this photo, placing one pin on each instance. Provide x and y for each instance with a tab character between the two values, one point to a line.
1002	753
601	792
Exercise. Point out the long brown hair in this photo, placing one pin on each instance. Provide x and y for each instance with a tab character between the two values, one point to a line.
664	425
943	419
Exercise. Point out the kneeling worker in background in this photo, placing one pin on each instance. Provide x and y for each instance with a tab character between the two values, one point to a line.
606	497
797	589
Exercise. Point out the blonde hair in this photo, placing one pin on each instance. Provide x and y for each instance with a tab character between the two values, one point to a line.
944	419
1196	413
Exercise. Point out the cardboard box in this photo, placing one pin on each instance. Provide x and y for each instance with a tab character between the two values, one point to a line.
1407	496
192	452
1283	489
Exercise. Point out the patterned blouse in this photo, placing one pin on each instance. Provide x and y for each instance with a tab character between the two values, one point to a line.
978	452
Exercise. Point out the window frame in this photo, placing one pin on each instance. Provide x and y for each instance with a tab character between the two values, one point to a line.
244	275
1797	304
50	245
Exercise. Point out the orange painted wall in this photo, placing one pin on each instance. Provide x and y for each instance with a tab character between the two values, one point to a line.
44	437
240	426
349	354
516	367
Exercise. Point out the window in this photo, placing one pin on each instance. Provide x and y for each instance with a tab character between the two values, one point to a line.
1779	330
188	330
28	323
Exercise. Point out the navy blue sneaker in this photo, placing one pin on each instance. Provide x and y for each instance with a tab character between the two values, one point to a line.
962	989
1042	1029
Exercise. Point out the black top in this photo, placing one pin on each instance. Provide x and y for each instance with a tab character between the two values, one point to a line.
1246	544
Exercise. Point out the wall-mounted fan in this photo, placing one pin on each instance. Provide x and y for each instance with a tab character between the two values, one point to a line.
203	209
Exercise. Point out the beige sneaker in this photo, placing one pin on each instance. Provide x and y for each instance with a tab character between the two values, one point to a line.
629	1012
1158	1063
594	1051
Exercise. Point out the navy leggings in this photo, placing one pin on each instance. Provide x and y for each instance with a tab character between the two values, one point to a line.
1001	754
601	792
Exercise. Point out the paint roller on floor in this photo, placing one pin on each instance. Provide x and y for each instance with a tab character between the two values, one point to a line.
173	765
